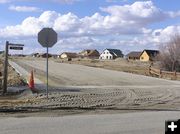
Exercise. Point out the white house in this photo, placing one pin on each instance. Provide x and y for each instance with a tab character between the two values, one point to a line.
111	54
67	55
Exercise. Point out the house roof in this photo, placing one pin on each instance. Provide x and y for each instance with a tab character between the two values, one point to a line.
34	53
69	54
42	54
151	52
89	52
134	54
54	54
115	52
85	51
1	52
93	52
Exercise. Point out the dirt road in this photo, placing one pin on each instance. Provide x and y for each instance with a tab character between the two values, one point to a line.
62	74
77	89
77	86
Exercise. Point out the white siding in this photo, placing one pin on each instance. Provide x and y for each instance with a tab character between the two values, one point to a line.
63	56
106	55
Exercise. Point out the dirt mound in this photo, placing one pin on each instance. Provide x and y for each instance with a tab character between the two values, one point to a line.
14	79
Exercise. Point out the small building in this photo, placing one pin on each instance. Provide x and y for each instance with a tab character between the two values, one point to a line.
111	54
2	52
68	55
54	56
18	55
148	55
89	53
35	54
134	55
44	55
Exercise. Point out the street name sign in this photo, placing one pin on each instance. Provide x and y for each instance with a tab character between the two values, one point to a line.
16	48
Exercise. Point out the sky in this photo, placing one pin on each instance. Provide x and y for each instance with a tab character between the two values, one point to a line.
128	25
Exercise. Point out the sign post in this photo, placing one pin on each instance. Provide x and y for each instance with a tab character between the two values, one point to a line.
5	74
47	37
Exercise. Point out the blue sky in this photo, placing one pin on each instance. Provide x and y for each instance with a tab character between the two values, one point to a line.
128	25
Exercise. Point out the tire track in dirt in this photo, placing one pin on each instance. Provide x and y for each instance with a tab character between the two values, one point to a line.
119	98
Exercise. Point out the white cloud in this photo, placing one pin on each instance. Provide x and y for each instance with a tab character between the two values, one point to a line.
120	20
24	8
57	1
164	35
4	1
113	1
66	1
91	31
139	13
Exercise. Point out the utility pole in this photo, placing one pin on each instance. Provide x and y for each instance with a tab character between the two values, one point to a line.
5	69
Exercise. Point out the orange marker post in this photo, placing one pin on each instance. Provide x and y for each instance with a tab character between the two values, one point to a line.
31	81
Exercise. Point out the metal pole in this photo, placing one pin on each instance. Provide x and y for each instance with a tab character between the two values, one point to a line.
47	72
5	75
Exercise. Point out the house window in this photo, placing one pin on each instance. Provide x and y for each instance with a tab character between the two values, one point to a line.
106	57
109	57
104	53
142	58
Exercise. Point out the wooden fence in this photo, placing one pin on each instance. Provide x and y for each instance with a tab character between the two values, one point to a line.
163	74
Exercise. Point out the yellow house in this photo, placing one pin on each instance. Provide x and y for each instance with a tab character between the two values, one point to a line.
148	55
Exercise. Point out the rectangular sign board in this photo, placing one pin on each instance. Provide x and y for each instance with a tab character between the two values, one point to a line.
16	48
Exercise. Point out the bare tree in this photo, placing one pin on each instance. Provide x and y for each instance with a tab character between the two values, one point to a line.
170	54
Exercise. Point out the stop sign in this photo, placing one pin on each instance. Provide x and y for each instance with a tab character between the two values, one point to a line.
47	37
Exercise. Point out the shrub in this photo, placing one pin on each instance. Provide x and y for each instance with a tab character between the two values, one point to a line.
170	54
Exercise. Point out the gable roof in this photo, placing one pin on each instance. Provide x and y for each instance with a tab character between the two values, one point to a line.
86	51
44	54
34	53
134	54
115	52
151	53
93	53
69	54
89	52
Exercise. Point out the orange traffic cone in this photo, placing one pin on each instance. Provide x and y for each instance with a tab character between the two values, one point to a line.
31	81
